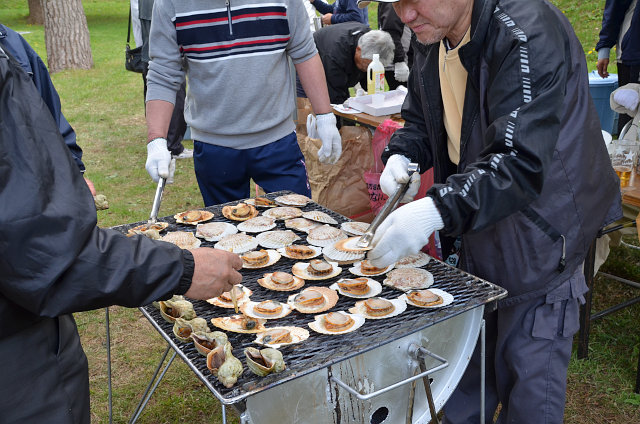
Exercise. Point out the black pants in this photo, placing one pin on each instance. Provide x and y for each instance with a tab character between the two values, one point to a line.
626	74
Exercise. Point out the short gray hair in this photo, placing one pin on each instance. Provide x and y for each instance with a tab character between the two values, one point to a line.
377	41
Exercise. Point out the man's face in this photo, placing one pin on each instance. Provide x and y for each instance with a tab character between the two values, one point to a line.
361	63
432	20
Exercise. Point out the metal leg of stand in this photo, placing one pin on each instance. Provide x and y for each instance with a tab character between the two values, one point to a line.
483	371
427	389
148	393
224	413
585	310
106	310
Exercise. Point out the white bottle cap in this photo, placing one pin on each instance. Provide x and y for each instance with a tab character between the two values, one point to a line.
376	56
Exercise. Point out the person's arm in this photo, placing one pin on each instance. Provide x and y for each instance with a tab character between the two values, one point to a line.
346	11
313	81
612	18
389	21
322	7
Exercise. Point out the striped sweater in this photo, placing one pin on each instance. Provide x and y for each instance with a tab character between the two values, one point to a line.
234	54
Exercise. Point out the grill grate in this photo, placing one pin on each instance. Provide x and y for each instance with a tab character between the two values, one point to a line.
319	351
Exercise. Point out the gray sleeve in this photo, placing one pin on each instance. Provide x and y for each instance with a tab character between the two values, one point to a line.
165	66
301	46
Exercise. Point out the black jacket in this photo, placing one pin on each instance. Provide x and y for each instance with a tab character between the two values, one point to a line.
614	11
54	260
336	46
534	183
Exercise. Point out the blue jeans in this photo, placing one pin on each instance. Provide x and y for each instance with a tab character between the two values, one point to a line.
223	173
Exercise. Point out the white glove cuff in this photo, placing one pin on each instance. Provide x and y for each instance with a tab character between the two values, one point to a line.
427	214
326	119
157	143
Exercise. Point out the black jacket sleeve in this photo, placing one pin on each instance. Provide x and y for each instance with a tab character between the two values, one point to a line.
612	18
389	21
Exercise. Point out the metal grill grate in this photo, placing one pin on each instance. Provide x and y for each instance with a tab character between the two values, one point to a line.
319	351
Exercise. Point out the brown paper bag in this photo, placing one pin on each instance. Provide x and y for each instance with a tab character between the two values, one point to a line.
341	187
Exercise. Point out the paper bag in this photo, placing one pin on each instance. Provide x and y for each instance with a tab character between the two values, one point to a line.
341	187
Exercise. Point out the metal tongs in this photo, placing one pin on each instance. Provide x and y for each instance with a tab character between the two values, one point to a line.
389	206
162	182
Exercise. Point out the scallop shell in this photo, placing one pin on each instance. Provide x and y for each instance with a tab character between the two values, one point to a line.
292	200
257	224
283	212
333	254
318	324
330	300
354	228
248	309
274	256
227	212
356	270
447	299
182	239
407	279
276	239
234	324
204	216
215	231
217	301
399	305
252	201
316	251
325	235
319	216
237	243
351	245
158	226
301	224
300	270
375	288
418	260
268	284
298	334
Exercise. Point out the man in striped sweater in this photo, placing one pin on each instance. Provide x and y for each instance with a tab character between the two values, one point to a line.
240	93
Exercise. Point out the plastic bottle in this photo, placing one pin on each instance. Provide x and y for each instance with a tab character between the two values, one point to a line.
375	76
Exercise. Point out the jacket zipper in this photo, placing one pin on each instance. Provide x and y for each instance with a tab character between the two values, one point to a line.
228	4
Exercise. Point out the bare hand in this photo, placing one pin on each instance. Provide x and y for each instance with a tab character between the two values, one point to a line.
326	19
215	272
90	185
602	66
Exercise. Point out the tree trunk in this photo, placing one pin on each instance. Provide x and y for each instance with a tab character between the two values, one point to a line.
36	14
66	35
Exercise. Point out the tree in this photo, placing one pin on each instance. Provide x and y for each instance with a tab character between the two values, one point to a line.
66	35
36	13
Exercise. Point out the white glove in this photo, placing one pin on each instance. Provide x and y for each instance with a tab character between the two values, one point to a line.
405	231
158	159
360	92
401	72
394	174
312	131
627	98
331	141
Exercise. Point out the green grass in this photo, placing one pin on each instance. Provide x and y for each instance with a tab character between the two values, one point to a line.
105	106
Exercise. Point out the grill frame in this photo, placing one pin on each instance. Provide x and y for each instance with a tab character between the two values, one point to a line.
319	351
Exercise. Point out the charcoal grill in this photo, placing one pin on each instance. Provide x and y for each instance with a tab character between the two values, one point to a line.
367	376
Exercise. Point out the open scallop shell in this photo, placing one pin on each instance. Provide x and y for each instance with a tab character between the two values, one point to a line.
255	201
298	334
330	300
375	288
325	235
227	211
447	299
215	231
158	226
257	224
283	212
356	270
266	282
407	279
318	324
217	301
354	228
292	200
186	218
274	256
418	260
332	254
301	224
350	245
235	324
300	270
286	253
399	306
182	239
247	308
276	239
319	216
237	243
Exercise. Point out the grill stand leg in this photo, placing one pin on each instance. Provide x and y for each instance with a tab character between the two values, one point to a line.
427	389
483	371
147	394
106	310
412	396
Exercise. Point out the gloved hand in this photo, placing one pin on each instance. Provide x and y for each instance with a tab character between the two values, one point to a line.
360	92
158	159
626	98
331	141
405	231
312	131
394	174
401	72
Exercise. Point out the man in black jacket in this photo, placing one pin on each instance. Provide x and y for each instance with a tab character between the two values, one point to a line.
54	260
522	179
